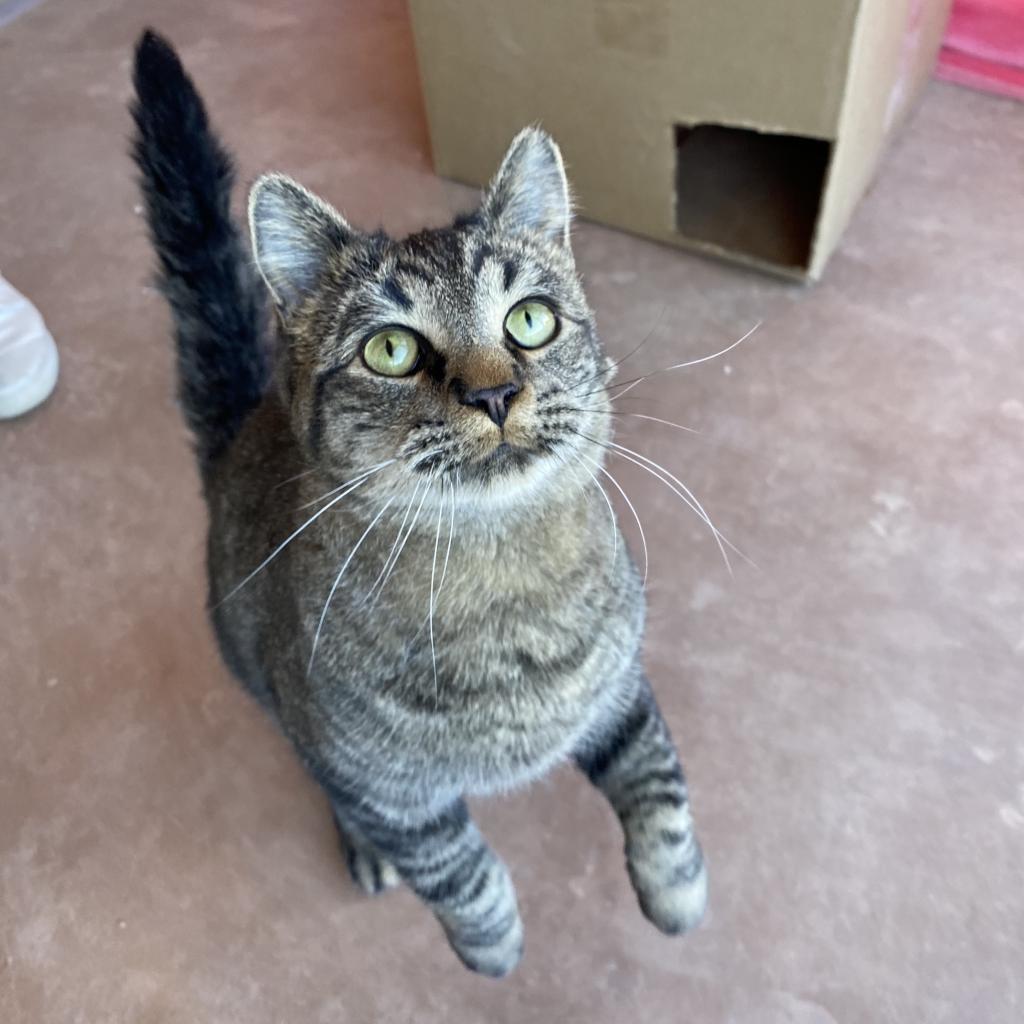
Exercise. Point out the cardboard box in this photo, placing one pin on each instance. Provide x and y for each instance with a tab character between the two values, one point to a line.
747	129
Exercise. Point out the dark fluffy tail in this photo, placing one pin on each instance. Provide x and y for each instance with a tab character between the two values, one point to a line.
204	265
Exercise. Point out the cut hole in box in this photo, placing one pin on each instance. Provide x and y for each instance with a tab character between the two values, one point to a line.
752	194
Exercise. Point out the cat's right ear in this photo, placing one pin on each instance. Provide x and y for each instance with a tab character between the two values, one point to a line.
294	236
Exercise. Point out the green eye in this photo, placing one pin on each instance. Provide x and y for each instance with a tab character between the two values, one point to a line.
394	353
531	324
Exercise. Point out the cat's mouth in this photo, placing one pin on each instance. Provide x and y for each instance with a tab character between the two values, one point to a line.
504	459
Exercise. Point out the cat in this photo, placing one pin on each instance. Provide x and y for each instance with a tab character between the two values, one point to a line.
410	564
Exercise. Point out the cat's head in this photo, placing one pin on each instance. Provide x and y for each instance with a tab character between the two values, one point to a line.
465	354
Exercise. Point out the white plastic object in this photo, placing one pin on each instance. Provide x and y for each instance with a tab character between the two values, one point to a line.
28	354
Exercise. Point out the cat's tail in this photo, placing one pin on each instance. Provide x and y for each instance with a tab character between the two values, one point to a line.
205	268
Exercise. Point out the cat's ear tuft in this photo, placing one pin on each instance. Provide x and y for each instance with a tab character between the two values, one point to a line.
294	236
530	192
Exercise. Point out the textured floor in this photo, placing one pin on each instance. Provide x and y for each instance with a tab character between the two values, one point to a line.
851	713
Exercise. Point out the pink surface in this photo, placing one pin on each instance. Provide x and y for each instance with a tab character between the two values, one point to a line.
984	46
851	712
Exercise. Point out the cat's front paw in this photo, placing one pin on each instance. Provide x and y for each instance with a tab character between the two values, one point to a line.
675	905
371	872
494	953
367	868
667	869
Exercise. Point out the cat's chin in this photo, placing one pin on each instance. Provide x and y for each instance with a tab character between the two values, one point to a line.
504	460
508	477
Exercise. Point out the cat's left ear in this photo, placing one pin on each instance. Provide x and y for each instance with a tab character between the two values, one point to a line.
294	236
530	192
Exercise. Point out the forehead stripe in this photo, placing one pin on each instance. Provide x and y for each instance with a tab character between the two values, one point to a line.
413	270
396	293
478	260
511	272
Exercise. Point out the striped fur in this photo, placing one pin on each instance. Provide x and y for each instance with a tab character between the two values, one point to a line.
636	766
186	178
428	602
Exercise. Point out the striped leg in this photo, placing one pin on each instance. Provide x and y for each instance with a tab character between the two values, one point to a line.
447	863
635	765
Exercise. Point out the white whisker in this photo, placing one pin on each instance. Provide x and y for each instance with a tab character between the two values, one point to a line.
292	479
715	355
628	385
424	456
632	508
596	411
608	502
687	494
349	488
405	540
433	571
451	535
398	537
334	490
629	355
657	419
676	485
337	580
683	492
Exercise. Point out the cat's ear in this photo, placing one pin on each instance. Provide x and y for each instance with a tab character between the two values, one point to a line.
530	192
294	236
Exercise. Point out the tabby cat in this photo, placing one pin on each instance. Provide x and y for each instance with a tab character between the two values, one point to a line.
411	565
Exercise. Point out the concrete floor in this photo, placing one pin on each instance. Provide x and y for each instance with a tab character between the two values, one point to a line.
851	714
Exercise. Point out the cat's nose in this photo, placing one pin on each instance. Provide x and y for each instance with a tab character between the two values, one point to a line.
493	401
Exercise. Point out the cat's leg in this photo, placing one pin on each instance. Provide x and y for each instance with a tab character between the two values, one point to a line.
370	870
446	862
633	761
